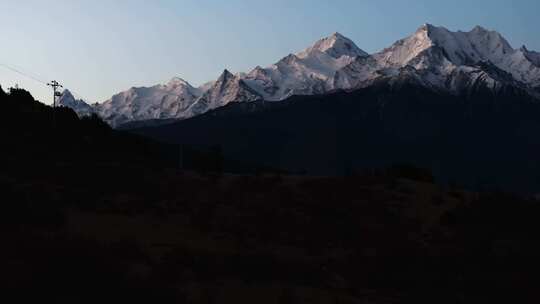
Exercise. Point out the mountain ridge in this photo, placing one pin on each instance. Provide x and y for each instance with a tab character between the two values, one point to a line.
436	57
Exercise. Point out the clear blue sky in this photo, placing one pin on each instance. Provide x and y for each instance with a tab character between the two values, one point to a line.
100	47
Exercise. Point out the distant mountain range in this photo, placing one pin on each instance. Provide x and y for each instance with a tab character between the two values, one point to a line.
455	63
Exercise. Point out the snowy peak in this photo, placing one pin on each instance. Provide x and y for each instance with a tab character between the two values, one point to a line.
481	45
308	72
336	46
225	77
178	82
78	105
66	96
163	101
470	47
461	48
446	60
223	86
405	50
180	87
228	88
438	52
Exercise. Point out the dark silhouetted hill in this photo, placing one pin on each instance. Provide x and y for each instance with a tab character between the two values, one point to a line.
36	135
482	139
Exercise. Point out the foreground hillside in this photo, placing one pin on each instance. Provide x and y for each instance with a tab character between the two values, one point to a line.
159	236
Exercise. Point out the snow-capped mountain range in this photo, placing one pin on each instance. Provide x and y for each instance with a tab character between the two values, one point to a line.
433	56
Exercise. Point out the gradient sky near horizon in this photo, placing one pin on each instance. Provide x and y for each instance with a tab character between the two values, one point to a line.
101	47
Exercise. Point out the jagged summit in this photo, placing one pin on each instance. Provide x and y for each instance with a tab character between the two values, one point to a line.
226	75
473	46
67	98
177	81
307	72
335	45
78	105
228	88
66	94
461	48
404	50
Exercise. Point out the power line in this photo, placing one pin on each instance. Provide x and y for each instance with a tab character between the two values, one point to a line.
22	73
39	79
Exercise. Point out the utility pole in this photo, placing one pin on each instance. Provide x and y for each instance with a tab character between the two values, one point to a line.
55	85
